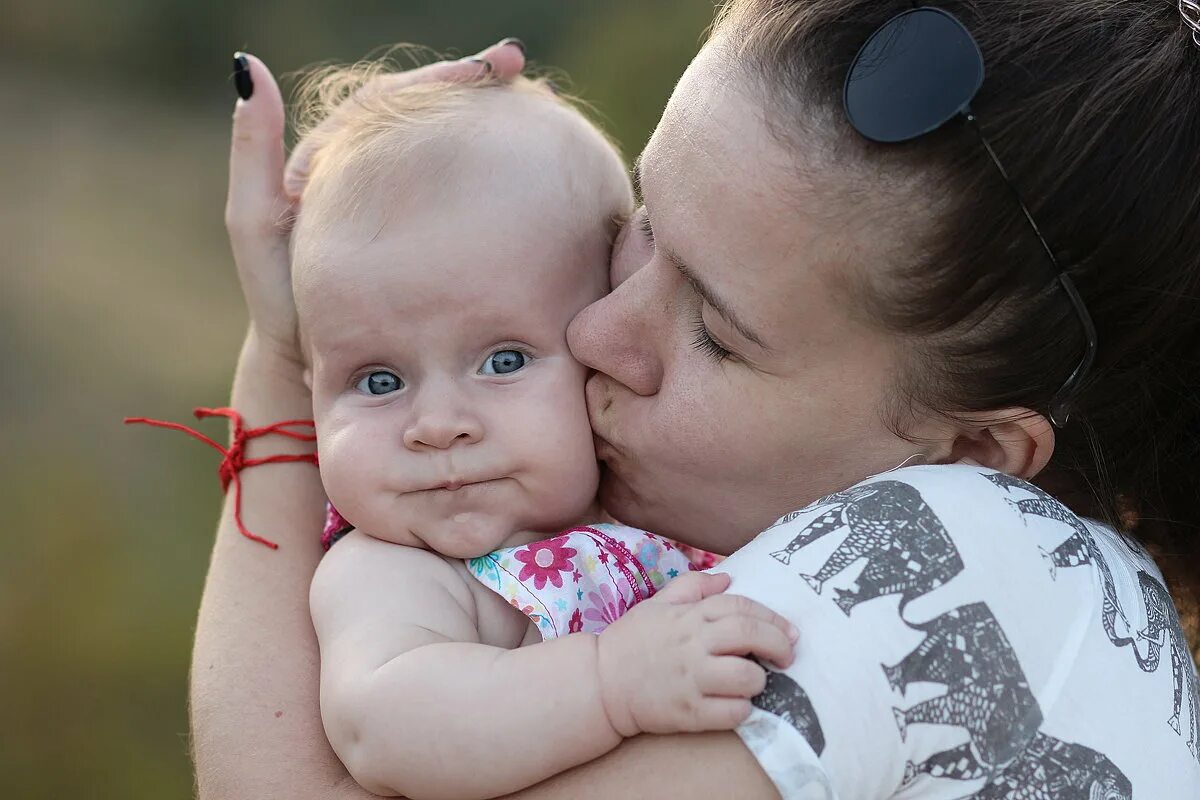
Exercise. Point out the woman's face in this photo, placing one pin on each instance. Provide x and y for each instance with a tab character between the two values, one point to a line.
735	381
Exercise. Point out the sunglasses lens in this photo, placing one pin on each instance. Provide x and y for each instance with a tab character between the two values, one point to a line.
915	73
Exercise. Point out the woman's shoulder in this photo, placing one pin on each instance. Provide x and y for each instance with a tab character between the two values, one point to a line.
930	597
922	541
945	508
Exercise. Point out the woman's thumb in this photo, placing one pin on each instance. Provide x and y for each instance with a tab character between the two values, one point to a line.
256	154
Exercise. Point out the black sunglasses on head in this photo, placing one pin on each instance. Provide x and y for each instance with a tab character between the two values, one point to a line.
917	72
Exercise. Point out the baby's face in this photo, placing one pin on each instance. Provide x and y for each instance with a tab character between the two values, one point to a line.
450	413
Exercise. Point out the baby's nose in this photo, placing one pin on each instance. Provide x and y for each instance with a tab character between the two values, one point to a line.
439	429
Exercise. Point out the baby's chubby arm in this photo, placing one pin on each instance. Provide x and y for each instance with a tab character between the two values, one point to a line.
414	704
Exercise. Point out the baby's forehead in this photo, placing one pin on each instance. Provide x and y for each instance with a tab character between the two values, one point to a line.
472	256
505	190
483	139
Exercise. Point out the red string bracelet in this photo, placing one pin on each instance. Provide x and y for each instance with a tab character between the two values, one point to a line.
235	460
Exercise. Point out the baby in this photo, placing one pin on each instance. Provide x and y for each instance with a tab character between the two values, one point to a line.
448	235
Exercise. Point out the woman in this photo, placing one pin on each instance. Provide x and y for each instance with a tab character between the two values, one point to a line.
800	308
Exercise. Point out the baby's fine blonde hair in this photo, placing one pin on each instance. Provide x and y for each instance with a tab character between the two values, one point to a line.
361	129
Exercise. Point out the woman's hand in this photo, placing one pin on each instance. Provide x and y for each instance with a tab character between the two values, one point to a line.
263	197
503	60
257	214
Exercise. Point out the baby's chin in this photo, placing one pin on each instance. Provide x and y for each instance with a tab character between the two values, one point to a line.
471	534
466	534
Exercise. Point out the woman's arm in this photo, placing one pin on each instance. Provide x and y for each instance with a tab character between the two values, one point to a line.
685	765
254	671
253	692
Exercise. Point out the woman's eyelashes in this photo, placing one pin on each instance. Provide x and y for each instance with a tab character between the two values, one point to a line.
380	382
644	223
504	362
702	339
704	342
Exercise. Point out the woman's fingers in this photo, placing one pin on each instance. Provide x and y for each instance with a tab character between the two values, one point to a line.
507	57
503	60
256	213
256	153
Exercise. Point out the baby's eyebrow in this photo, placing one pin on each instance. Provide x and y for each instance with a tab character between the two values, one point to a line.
636	177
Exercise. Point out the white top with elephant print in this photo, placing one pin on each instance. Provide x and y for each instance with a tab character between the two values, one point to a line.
965	635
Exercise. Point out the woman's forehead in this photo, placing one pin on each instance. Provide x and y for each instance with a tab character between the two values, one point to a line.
733	203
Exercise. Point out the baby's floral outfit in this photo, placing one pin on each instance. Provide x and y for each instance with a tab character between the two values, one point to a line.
582	580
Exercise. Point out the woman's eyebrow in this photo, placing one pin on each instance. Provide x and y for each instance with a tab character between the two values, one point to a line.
706	292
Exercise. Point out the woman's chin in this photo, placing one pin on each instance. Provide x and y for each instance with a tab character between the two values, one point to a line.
622	503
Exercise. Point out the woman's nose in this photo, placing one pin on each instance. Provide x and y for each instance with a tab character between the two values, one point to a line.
440	423
619	333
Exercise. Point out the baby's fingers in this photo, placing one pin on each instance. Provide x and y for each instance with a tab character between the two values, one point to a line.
731	676
747	636
729	605
694	587
721	713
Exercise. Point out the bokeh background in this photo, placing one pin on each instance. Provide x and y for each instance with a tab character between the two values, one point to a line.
118	296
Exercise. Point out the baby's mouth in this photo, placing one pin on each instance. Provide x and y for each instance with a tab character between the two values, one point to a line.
454	484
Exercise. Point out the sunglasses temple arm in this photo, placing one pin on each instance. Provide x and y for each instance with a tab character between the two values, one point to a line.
1059	407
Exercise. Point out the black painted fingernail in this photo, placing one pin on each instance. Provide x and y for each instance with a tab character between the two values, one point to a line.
241	76
515	42
487	65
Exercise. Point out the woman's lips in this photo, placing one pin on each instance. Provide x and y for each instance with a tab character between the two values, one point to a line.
604	448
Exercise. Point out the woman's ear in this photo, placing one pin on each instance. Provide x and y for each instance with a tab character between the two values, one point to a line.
1017	441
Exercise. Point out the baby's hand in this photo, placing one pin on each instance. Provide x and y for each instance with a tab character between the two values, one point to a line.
675	663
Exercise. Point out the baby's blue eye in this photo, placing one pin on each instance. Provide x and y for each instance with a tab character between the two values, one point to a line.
503	362
380	382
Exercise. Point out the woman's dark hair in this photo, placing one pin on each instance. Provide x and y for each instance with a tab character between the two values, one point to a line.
1093	107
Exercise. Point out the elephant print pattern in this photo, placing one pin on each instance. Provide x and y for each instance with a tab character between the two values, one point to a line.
899	546
908	551
1162	628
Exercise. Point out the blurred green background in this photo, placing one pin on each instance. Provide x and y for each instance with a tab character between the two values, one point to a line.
117	296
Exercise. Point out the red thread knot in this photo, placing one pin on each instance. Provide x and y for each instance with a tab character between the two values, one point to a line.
234	457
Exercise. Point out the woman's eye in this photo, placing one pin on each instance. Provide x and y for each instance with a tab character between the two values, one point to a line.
647	228
504	362
380	382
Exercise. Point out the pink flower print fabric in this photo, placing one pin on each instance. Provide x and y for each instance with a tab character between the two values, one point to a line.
545	562
584	579
336	527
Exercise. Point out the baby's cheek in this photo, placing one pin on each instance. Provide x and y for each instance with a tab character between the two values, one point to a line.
345	462
561	446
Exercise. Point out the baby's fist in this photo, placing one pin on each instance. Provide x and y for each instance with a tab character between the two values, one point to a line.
678	662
